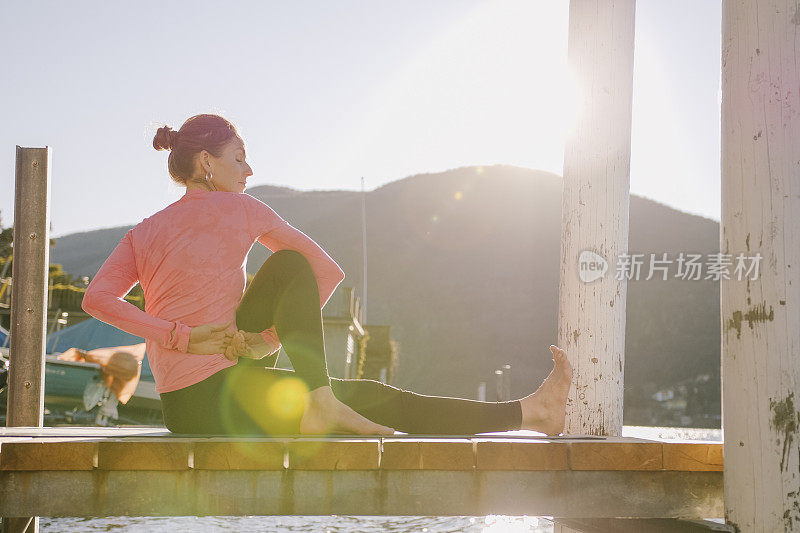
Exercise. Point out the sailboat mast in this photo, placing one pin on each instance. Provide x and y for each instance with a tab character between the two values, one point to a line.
364	249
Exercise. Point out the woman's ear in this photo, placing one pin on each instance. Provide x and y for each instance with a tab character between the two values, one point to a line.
203	159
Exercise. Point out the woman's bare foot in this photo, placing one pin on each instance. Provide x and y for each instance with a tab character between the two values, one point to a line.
325	414
544	410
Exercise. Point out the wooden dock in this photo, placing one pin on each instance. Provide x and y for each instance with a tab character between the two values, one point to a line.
151	472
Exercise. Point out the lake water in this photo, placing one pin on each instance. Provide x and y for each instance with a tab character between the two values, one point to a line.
324	524
347	524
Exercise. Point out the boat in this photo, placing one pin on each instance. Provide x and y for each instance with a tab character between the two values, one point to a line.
95	374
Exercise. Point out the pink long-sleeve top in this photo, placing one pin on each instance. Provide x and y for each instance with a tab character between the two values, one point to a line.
190	260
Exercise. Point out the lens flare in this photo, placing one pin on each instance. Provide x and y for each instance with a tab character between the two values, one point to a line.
253	401
440	210
286	398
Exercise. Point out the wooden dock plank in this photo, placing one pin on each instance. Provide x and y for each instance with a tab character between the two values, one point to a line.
615	455
695	456
71	448
401	455
496	454
239	455
155	454
332	454
47	455
369	492
84	431
155	475
427	454
241	492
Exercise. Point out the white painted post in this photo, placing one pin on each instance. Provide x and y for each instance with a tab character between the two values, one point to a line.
761	215
591	316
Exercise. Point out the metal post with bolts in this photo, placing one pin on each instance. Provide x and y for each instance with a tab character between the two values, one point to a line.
29	301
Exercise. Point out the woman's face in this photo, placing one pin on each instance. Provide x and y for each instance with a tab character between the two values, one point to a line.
230	170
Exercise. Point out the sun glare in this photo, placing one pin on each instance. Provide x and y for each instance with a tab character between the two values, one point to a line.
493	87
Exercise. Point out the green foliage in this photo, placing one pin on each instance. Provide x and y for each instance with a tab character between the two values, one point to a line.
66	289
57	276
6	238
6	247
361	355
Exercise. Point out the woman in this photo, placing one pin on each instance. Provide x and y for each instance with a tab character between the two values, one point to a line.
212	345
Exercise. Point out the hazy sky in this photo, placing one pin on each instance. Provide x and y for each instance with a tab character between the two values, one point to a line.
326	92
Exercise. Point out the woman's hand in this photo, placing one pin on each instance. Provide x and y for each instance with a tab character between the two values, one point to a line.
224	338
258	347
209	339
237	346
247	344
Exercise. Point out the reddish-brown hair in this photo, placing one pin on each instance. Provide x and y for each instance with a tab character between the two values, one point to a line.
198	133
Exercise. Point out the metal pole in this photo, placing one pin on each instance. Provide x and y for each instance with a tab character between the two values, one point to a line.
364	247
55	321
498	385
482	391
506	382
29	301
29	289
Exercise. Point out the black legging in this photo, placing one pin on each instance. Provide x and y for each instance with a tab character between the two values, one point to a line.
254	398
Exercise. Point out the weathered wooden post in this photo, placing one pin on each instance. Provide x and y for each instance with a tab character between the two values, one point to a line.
761	215
591	314
29	299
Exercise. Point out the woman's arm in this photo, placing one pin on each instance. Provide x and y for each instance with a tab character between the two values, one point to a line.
250	345
269	337
276	234
104	300
328	273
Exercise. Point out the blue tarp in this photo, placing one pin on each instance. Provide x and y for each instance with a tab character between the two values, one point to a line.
91	334
3	337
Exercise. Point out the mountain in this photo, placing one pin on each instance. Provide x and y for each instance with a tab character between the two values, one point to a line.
464	266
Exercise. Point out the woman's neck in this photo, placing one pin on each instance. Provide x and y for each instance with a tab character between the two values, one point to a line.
199	185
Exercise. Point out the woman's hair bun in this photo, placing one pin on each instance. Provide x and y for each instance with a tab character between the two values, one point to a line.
165	138
211	133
